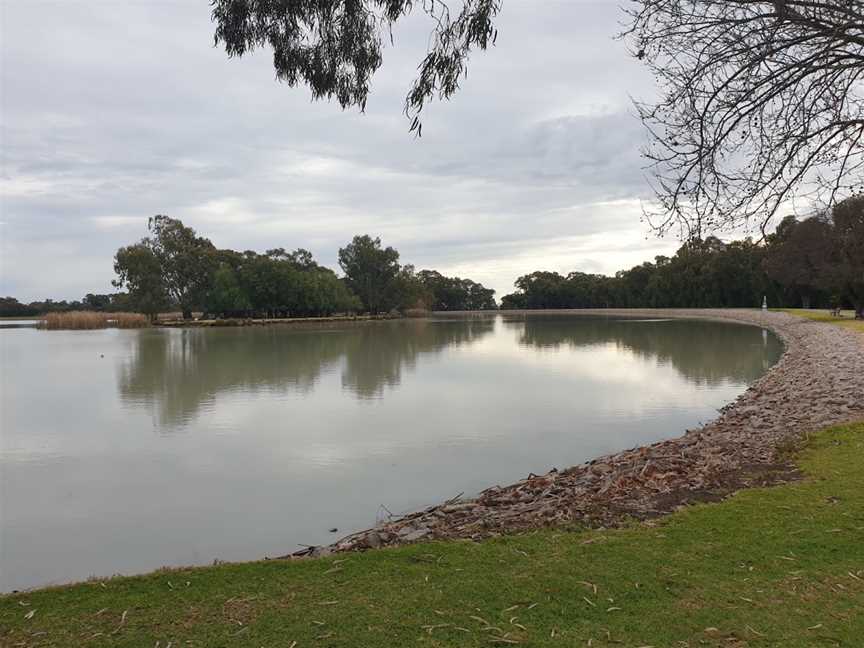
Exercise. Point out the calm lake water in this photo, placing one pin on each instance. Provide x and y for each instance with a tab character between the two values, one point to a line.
123	451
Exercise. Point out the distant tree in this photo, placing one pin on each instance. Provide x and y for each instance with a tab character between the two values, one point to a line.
186	260
96	302
406	291
761	101
738	275
322	293
139	271
11	307
552	290
686	278
701	274
543	290
454	293
303	260
478	296
371	272
226	296
582	290
121	302
514	301
440	292
846	266
798	255
276	284
635	285
269	283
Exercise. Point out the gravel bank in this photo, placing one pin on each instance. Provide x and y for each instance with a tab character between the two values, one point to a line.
818	382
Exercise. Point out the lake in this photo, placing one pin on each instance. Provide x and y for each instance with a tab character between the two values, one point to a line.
123	450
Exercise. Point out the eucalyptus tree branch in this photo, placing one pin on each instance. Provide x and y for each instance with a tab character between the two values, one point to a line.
335	46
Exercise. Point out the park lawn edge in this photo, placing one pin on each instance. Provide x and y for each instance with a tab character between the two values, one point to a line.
826	317
770	566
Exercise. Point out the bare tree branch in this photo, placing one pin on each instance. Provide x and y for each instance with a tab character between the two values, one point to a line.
761	103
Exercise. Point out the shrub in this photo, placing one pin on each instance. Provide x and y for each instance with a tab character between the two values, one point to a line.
88	320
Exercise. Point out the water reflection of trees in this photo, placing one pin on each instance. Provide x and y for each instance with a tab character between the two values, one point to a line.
701	351
178	371
376	355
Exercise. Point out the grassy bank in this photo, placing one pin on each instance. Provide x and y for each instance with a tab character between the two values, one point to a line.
780	566
846	319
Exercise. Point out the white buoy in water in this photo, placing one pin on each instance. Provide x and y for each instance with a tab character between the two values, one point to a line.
764	303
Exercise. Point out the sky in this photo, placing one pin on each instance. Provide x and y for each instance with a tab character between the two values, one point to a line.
115	110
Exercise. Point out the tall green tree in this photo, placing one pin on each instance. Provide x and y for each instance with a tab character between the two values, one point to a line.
797	256
96	302
139	271
271	284
701	274
371	272
277	284
847	263
11	307
226	295
322	293
186	260
454	293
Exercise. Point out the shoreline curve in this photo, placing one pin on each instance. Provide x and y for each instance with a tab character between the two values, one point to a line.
816	383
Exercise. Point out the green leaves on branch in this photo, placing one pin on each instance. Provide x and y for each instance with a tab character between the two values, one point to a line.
335	46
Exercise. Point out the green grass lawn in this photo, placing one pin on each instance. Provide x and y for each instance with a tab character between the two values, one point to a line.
846	319
782	566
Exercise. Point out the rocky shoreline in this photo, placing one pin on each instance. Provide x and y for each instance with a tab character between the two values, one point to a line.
819	381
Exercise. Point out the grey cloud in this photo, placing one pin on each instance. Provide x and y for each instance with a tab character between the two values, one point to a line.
117	111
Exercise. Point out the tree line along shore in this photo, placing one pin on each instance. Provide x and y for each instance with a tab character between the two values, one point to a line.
175	269
817	262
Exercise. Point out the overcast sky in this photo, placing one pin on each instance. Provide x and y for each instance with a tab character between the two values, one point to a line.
116	110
